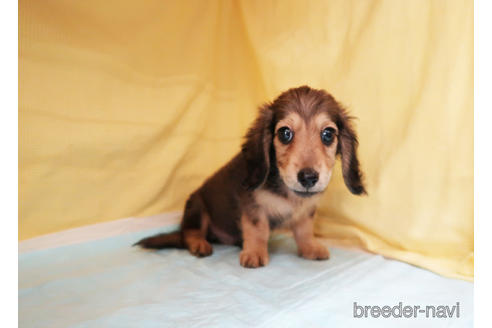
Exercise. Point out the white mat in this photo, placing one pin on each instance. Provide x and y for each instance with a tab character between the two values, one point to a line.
107	283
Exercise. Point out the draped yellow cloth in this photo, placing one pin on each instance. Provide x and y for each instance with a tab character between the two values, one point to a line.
126	106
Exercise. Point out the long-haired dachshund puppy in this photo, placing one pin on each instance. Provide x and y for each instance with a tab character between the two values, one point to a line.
276	180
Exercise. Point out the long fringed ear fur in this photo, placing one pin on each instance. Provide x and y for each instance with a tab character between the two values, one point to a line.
347	148
256	148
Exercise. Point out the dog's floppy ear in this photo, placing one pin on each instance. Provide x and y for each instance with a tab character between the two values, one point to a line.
256	148
347	148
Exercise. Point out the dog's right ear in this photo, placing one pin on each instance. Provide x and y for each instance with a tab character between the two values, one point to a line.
256	148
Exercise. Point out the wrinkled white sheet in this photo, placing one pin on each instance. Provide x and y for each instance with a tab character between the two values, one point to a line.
107	283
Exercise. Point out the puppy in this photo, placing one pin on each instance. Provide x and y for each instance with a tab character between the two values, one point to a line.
275	181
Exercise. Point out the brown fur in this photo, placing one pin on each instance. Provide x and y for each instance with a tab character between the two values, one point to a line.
255	232
260	188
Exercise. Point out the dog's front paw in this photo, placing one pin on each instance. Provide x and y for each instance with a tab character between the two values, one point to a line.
253	258
314	251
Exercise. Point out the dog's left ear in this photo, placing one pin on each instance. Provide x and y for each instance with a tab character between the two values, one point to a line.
347	148
256	148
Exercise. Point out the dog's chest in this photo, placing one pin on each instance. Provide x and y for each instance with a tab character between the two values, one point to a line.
282	210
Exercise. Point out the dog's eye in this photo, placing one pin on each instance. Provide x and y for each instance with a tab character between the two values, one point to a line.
327	136
285	135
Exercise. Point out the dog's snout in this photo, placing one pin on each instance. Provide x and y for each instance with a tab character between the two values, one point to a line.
307	177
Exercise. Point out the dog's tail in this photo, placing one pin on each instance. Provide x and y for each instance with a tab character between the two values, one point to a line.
163	240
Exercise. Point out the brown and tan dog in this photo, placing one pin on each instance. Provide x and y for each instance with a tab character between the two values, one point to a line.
275	181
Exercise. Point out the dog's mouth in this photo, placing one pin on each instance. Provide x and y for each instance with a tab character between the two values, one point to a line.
305	194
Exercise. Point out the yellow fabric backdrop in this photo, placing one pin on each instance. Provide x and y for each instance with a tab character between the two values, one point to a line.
126	106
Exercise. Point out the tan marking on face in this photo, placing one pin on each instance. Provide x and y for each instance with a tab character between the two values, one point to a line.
306	150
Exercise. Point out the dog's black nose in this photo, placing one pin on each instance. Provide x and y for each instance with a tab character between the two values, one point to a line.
307	177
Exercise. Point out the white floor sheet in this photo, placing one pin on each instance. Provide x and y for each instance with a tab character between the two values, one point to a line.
108	283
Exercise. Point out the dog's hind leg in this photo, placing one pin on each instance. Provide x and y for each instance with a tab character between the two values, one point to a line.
195	225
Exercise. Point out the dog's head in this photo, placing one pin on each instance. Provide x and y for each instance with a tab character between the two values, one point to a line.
300	134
